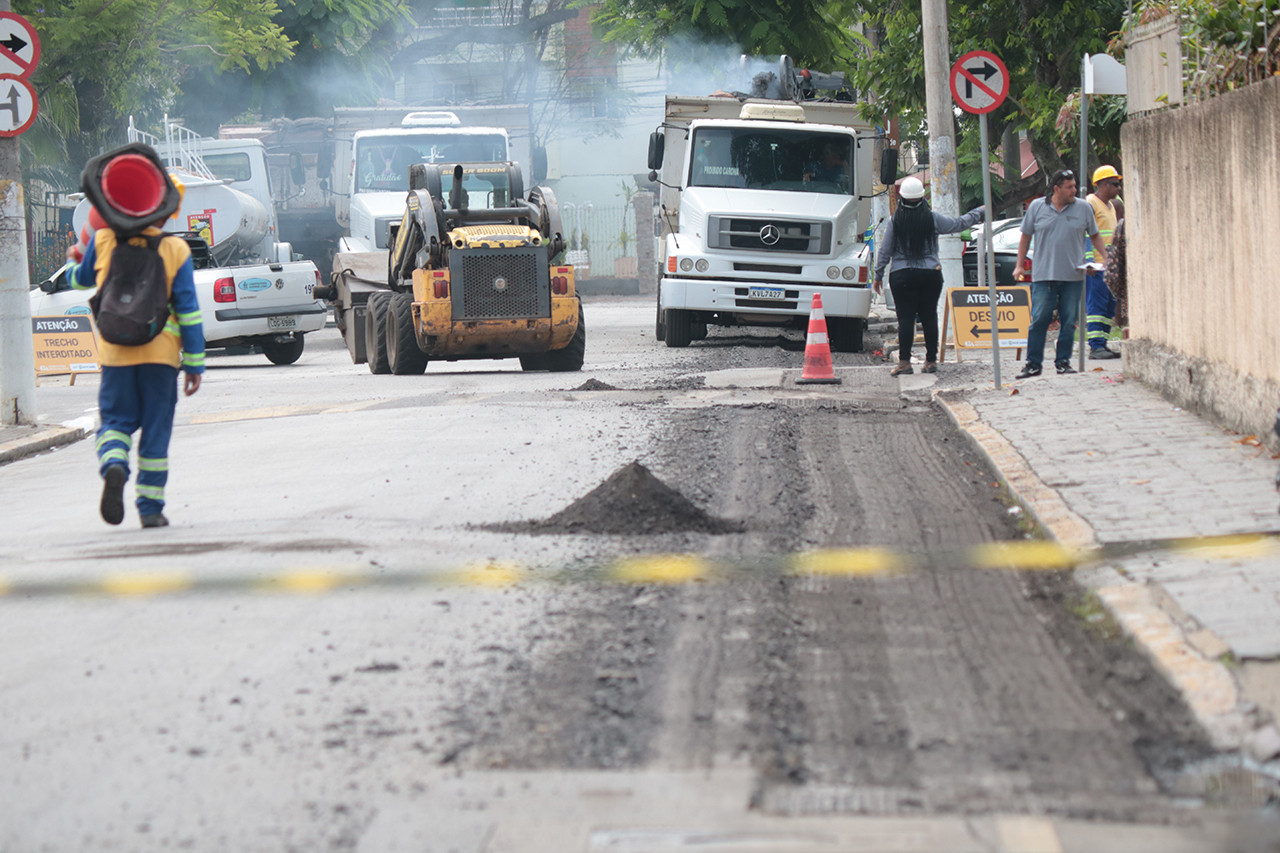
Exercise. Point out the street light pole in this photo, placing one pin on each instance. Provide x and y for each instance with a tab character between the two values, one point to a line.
944	182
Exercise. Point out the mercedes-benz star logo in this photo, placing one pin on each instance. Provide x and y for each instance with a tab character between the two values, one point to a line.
770	235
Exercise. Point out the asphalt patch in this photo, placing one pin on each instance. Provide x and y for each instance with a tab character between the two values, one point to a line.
632	502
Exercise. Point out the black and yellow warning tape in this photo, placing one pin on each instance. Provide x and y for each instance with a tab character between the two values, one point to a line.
1028	555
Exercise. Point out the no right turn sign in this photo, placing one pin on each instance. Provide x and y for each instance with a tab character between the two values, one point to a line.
979	82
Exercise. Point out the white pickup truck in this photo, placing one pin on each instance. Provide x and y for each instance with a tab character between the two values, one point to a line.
264	305
251	291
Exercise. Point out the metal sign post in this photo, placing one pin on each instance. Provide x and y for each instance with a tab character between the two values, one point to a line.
19	53
981	97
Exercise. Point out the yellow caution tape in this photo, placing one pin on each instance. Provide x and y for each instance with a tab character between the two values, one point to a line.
849	562
311	581
141	583
660	568
491	575
1022	556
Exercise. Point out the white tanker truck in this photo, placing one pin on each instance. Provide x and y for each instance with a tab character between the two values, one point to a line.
252	292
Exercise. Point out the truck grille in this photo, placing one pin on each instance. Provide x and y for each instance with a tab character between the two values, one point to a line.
769	235
499	284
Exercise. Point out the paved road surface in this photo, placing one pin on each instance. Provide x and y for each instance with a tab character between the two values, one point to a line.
953	709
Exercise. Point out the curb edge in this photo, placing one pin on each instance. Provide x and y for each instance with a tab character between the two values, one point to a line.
39	442
1206	685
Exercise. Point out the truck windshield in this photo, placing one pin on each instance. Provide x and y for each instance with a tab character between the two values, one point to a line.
772	159
383	162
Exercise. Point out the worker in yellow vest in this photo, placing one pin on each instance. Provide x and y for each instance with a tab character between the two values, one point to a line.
1100	304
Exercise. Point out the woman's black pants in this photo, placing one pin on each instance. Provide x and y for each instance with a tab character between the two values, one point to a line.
915	297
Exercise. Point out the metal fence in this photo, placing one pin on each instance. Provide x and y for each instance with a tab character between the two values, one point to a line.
1225	45
49	233
469	16
598	235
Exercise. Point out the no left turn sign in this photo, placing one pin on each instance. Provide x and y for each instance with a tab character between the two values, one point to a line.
17	104
979	82
19	45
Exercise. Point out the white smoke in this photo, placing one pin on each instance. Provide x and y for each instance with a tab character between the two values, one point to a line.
698	68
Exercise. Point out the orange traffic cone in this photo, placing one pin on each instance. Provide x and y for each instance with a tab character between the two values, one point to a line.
817	350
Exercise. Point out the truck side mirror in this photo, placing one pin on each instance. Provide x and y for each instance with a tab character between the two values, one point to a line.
59	281
538	168
324	162
296	172
657	146
889	166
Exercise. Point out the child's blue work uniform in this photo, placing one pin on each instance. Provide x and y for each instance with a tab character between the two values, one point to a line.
140	384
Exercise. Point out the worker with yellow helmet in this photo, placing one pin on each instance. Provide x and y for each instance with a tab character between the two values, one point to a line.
1100	304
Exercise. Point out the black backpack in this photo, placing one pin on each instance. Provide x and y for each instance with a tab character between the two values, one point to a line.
132	305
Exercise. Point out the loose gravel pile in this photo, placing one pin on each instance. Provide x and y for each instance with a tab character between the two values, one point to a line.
632	502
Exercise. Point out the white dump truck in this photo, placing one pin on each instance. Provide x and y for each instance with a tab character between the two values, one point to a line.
764	202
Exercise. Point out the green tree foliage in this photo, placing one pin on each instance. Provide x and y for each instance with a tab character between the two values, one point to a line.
1042	43
341	57
102	62
814	33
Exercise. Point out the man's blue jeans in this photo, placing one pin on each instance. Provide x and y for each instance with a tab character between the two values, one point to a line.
1046	297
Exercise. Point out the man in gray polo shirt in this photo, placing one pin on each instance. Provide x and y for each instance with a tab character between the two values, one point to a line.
1059	222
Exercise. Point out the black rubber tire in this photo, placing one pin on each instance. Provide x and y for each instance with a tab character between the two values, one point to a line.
845	333
284	353
375	332
535	361
698	331
679	327
403	355
569	359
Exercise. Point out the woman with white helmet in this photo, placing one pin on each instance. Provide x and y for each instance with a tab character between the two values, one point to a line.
910	251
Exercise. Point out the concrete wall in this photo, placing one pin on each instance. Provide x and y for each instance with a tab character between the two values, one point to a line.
1153	65
1202	196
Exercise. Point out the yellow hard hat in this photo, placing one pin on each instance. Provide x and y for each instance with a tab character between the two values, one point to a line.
1103	172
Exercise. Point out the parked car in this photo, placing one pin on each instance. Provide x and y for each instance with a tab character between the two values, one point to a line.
1005	234
239	306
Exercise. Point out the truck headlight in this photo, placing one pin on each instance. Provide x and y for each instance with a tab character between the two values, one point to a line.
849	273
702	265
686	264
833	273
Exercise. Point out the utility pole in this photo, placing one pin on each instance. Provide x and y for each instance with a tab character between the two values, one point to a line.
17	364
944	181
